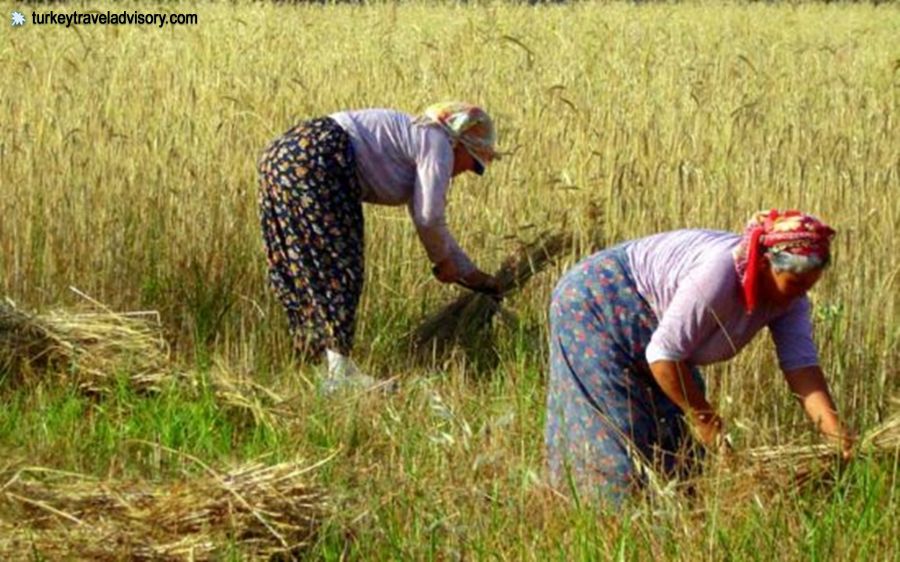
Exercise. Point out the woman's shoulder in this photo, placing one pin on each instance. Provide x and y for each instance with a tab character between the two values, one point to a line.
432	140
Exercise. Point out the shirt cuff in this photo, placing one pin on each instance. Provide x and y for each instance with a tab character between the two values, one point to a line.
794	365
655	353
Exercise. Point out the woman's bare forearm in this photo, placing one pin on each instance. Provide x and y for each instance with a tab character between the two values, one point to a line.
675	380
811	388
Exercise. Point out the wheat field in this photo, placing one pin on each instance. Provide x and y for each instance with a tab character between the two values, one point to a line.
127	170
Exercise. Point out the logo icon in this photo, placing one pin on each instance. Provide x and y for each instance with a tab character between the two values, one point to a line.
18	19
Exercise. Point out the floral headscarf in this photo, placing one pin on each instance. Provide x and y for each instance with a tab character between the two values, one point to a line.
793	240
467	124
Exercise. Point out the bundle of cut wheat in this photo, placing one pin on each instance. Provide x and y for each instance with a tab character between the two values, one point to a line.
94	348
262	510
90	345
471	313
24	340
785	468
803	462
885	437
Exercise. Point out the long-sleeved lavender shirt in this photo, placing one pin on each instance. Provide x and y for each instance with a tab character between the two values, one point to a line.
400	163
689	279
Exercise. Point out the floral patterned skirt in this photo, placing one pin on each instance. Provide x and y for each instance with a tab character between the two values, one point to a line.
312	223
604	408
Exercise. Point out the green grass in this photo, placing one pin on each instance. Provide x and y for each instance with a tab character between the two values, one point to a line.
448	467
127	169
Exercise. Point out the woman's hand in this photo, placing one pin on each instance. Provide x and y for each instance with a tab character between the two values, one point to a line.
675	381
446	271
810	387
483	282
846	439
709	428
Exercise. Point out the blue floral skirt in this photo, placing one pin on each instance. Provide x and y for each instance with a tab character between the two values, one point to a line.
604	408
311	214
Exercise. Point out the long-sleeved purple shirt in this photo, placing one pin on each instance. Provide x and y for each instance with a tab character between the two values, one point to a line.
688	277
400	163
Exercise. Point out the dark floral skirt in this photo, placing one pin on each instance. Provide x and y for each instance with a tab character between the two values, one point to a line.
312	223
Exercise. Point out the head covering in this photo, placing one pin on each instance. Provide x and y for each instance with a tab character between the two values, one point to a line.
774	233
467	124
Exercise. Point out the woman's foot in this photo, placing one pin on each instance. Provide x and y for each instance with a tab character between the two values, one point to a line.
343	374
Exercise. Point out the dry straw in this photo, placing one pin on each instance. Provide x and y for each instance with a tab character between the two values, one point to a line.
99	349
238	393
92	346
468	316
809	463
265	511
772	470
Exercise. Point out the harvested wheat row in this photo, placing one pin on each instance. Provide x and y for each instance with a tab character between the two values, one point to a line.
264	510
768	470
90	346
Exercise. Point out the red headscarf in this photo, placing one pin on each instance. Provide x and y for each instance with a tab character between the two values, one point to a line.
790	231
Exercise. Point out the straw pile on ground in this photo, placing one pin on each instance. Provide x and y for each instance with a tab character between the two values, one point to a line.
91	346
467	318
262	511
772	470
801	464
98	350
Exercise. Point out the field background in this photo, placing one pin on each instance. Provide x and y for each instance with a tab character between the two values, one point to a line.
127	170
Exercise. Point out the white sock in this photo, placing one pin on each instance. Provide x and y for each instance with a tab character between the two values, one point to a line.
340	365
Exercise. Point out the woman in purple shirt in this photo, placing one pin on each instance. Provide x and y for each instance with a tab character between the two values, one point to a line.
313	182
631	324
